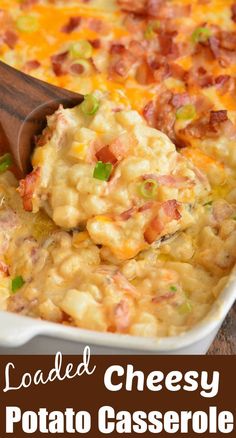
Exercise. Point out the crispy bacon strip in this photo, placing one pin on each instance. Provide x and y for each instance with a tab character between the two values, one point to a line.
58	63
71	25
106	155
27	188
168	180
233	10
122	316
167	213
4	269
10	38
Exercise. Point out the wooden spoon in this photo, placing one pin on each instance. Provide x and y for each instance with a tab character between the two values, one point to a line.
24	104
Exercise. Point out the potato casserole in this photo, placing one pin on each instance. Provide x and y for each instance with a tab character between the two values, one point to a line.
127	222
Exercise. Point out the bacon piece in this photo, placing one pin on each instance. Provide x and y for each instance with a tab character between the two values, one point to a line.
120	146
126	215
121	60
4	269
216	124
144	74
167	45
10	38
31	65
27	188
221	211
178	72
135	6
96	43
162	114
227	40
58	63
26	4
149	113
233	10
124	285
218	117
105	155
162	298
122	316
71	25
171	209
168	212
169	180
180	99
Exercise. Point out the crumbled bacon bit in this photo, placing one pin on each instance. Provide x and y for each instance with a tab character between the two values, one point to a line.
180	99
163	298
27	188
218	117
4	268
96	43
122	316
135	6
31	65
71	25
105	155
170	209
58	63
233	10
126	215
121	60
10	38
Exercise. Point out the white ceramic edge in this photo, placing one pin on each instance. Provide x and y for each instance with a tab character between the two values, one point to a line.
17	330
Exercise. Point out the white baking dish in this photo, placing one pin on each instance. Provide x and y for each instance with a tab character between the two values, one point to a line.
23	335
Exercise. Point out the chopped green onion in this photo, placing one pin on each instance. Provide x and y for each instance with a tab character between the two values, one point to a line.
185	308
17	283
90	105
27	23
81	49
150	30
148	189
102	171
173	288
5	162
186	112
209	203
201	34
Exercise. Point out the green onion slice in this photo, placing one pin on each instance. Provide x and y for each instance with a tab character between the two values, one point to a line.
81	49
102	171
27	23
185	308
186	112
148	189
17	283
90	105
5	162
173	288
201	34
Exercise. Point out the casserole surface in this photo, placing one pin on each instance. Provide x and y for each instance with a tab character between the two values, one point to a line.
177	72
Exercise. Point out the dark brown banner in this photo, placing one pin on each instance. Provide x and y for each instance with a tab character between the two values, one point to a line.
131	395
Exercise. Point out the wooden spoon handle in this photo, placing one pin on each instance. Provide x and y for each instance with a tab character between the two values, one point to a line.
24	104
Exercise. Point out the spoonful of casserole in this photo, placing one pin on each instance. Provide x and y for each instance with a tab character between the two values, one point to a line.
99	168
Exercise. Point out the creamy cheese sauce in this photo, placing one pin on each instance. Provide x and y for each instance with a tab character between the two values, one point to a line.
147	249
